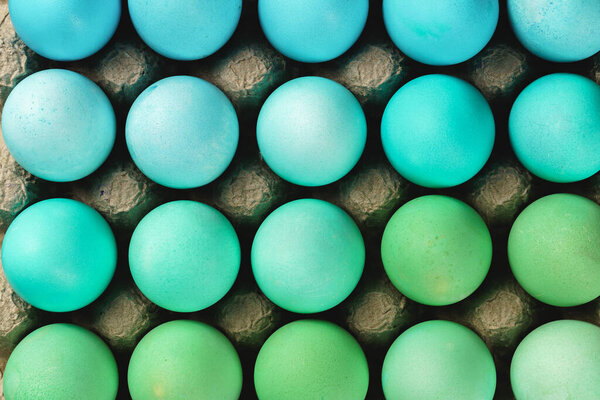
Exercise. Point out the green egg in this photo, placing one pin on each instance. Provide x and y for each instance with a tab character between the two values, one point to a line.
436	250
311	359
554	249
437	360
58	362
182	360
558	360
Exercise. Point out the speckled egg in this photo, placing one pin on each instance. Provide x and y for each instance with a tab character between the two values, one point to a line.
58	125
553	127
59	255
440	32
311	359
553	249
182	132
184	256
307	256
311	131
185	29
557	30
437	131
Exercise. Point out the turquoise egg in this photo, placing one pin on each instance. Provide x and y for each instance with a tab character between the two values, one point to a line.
553	127
58	125
65	30
440	32
185	29
308	256
182	132
312	30
184	256
59	255
311	131
558	360
439	360
437	131
557	30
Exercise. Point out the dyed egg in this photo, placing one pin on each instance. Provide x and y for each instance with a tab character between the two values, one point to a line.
61	361
436	250
560	359
65	30
553	127
311	131
182	132
437	131
438	360
312	30
554	252
184	256
440	32
59	255
557	30
184	359
58	125
185	29
310	359
307	256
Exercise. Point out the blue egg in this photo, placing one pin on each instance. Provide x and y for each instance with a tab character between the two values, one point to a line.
440	32
437	131
557	30
311	131
312	30
185	29
59	255
553	127
184	256
58	125
308	256
65	30
182	132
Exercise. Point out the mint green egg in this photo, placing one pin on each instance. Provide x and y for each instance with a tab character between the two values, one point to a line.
559	360
183	360
436	250
554	249
311	359
437	360
58	362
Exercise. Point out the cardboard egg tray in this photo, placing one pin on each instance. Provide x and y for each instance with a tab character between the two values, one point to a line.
248	69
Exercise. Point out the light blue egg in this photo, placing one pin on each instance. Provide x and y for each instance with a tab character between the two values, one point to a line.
311	131
437	131
308	256
185	29
58	125
59	255
440	32
312	30
554	127
65	30
184	256
557	30
182	132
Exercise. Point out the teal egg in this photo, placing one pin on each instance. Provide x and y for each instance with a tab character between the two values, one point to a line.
553	127
182	132
558	360
59	255
58	125
311	131
437	131
58	362
184	256
439	360
307	256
